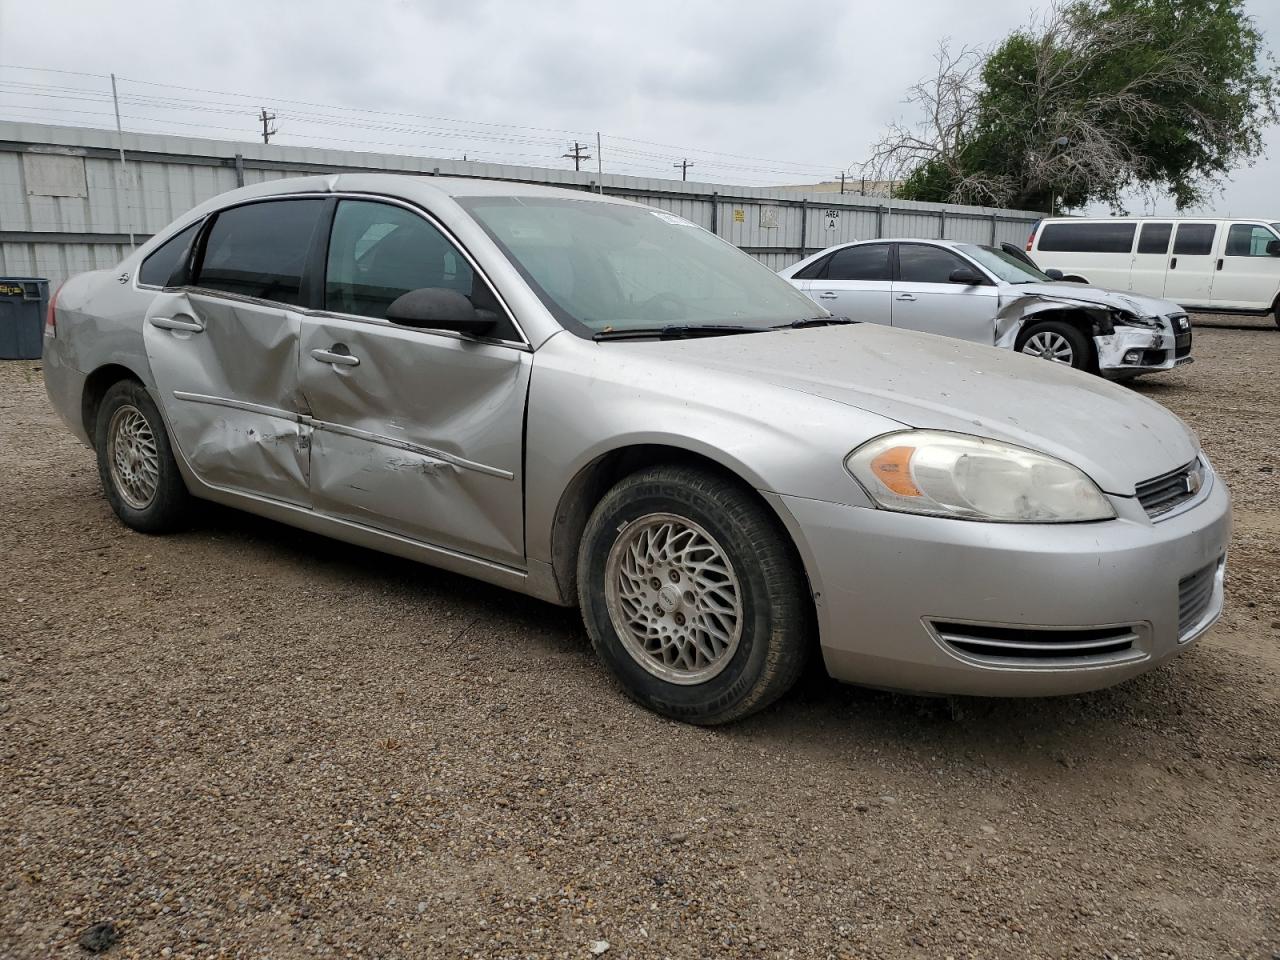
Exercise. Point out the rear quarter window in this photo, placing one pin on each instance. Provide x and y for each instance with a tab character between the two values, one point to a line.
1087	237
159	267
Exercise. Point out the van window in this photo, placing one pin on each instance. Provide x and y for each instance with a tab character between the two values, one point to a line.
1248	240
159	266
1194	239
258	250
1098	237
1155	238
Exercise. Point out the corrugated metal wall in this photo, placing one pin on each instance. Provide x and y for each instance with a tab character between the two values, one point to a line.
64	206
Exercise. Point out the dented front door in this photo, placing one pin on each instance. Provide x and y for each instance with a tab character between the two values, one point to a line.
226	375
417	433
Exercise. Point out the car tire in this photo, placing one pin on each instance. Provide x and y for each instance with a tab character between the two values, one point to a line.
1049	338
135	461
747	633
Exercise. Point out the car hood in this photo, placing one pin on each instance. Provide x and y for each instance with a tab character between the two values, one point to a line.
1118	437
1094	296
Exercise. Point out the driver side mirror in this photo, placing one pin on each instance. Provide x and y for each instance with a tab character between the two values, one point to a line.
1273	248
1053	273
964	275
439	308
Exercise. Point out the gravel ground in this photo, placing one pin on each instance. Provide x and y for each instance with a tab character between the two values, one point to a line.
247	741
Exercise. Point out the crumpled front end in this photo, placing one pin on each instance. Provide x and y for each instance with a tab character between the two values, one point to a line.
1125	344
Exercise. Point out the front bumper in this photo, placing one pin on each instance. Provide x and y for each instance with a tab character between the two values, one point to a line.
885	581
1130	350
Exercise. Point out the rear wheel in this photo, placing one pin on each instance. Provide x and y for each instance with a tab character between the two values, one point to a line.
693	596
135	462
1059	342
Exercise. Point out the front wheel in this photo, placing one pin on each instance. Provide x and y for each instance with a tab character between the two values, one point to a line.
1057	341
692	595
135	462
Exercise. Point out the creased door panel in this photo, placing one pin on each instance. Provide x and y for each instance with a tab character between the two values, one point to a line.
227	377
421	435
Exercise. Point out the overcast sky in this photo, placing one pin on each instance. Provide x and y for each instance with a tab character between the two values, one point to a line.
751	92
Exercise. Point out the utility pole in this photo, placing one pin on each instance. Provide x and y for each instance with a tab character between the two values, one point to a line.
125	180
577	155
266	118
843	177
599	165
684	166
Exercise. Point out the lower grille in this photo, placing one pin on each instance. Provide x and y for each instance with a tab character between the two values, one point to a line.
1195	594
1182	345
1161	494
1035	644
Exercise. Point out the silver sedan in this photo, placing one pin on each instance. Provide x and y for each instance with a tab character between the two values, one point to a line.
603	405
997	298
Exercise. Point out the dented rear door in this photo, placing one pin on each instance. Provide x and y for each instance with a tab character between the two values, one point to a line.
226	375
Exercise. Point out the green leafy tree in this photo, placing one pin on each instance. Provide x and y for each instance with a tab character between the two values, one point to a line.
1100	97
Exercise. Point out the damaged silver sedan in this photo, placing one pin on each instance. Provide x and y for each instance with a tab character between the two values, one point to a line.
995	298
604	405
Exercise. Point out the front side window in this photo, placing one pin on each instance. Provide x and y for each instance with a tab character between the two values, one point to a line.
1194	239
1098	237
378	251
1248	240
600	266
160	265
918	263
1155	238
259	249
868	262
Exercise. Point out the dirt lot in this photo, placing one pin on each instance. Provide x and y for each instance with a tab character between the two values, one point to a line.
248	741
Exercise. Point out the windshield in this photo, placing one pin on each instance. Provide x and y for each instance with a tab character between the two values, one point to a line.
1005	266
607	267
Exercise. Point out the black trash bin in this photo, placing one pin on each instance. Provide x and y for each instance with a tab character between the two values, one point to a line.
23	301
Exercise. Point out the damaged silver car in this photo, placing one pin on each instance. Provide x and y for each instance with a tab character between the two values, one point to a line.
603	405
992	297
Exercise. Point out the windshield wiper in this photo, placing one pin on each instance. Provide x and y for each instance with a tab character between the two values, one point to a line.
675	331
814	322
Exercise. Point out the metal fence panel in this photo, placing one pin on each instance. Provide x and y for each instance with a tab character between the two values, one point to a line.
88	221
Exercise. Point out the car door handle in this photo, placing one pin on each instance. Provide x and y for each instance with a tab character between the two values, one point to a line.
1219	263
828	296
174	323
338	359
1173	264
906	296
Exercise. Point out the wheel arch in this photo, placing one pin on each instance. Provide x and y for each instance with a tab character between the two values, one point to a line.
96	386
589	485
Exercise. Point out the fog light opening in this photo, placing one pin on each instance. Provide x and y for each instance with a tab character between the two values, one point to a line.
1132	356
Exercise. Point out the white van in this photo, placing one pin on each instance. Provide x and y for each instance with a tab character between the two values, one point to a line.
1203	264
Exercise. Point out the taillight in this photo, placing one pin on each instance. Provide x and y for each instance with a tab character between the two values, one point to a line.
1031	237
51	315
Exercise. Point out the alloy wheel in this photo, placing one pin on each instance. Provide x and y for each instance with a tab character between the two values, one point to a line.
673	598
1048	345
133	457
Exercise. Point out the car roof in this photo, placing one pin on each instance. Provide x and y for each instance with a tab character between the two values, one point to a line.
401	184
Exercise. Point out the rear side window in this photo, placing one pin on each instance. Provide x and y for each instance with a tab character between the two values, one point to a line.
918	263
1155	238
1194	239
160	265
870	262
1087	237
1248	240
259	249
814	270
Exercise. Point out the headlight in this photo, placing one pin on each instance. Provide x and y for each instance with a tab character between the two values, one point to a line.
1130	320
954	475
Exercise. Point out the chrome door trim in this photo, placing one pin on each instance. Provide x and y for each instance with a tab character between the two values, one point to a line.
238	405
429	452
